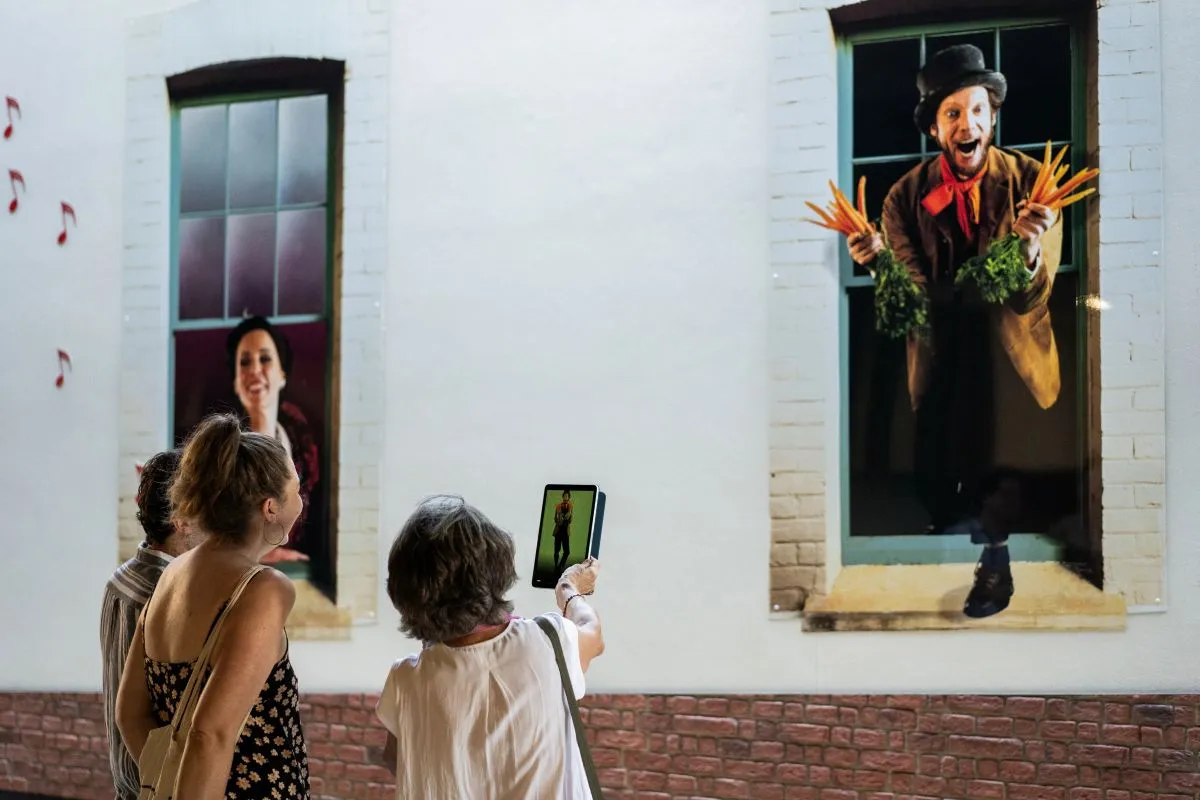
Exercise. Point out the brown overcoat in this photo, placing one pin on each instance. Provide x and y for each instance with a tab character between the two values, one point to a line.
925	244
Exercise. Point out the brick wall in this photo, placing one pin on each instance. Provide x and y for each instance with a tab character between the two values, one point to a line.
1127	229
357	31
780	747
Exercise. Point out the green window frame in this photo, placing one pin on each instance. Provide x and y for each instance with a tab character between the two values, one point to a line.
226	320
944	549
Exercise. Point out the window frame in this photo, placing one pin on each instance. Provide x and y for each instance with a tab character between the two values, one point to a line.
953	549
326	315
324	578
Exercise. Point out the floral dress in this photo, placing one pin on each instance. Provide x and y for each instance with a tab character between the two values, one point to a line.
270	761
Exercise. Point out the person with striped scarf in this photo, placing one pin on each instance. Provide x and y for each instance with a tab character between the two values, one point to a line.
124	596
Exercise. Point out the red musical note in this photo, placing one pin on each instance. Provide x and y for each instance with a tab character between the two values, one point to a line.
67	211
11	105
14	178
63	359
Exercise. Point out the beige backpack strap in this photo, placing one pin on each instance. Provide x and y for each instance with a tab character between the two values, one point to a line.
190	693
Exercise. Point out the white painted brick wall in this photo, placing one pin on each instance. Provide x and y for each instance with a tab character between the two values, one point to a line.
357	32
805	482
1132	341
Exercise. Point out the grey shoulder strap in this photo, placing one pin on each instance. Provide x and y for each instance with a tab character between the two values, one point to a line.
588	767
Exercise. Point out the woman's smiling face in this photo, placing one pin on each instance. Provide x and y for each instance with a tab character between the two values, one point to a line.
260	376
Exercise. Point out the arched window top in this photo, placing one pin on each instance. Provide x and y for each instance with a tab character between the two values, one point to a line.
260	75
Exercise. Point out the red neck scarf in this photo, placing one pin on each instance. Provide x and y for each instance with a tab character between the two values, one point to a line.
958	192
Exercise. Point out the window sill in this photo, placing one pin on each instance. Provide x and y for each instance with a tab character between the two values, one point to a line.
315	618
930	597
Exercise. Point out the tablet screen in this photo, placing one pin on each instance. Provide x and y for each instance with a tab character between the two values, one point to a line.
564	536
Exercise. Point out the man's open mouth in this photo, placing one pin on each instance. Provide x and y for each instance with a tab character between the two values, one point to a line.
968	148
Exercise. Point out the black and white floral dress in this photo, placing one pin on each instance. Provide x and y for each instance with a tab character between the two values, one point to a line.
270	761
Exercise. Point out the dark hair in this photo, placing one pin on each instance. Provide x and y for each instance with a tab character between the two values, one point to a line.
257	324
153	496
225	473
449	570
567	492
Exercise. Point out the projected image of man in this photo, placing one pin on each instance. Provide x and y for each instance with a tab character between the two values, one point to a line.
563	513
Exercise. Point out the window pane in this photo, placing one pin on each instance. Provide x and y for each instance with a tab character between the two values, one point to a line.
303	134
252	264
880	179
882	499
202	158
201	268
979	422
984	40
885	94
1037	64
302	261
252	154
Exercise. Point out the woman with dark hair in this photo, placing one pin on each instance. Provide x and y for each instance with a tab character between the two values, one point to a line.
260	360
240	491
125	596
481	711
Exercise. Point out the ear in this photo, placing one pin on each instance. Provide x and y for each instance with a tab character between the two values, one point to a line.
269	509
933	131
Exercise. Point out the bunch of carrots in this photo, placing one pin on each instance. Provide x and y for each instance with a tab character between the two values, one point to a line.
1047	192
901	307
1001	271
841	216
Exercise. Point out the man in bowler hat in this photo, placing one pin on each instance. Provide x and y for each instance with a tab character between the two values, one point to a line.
941	213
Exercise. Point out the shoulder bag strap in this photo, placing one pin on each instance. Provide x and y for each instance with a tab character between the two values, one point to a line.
189	698
588	767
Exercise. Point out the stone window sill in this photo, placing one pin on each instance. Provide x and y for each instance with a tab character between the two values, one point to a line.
315	618
930	597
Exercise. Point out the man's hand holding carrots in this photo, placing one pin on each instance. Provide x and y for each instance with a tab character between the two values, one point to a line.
1040	211
864	247
1032	223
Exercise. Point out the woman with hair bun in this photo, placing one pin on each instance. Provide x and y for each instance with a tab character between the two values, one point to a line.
239	490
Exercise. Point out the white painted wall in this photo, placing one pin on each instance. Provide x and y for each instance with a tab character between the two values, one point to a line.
578	242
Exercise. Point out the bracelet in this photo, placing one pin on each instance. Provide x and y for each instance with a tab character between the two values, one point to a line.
567	604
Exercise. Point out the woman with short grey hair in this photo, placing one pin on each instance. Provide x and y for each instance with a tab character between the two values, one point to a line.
481	710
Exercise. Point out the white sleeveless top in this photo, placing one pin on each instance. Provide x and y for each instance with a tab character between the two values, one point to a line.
489	720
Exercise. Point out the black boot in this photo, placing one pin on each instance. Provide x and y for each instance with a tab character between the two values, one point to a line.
993	587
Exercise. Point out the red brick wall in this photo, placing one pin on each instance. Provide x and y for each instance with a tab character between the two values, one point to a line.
754	747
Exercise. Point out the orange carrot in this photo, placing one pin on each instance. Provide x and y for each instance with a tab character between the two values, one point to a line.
844	205
1061	192
841	215
1048	177
1042	170
1058	205
826	220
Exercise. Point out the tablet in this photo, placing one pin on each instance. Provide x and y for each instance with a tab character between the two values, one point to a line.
564	530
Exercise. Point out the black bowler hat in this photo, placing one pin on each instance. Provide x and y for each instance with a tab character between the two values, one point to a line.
956	67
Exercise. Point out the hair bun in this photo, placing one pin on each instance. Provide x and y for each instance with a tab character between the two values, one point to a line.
225	473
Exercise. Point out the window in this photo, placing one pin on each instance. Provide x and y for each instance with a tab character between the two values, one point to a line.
886	500
251	238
